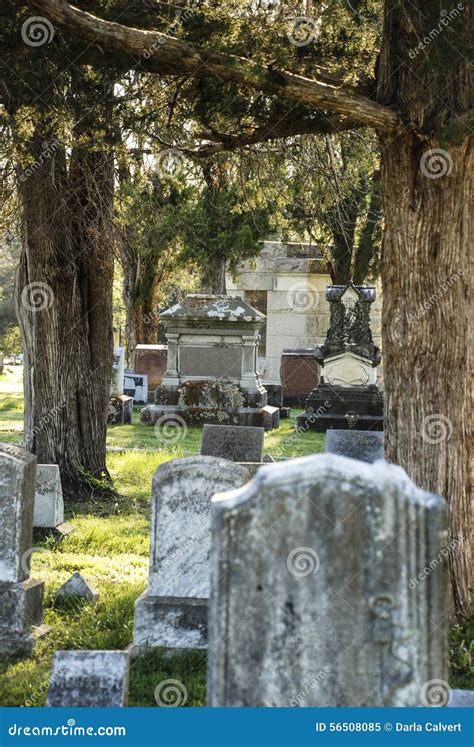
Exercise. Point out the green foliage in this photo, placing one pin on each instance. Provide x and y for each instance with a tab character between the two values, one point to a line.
461	655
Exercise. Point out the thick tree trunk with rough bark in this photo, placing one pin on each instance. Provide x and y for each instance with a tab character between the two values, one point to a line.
427	187
64	306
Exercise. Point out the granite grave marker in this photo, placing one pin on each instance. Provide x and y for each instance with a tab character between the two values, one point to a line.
173	610
311	601
89	679
21	597
364	445
233	442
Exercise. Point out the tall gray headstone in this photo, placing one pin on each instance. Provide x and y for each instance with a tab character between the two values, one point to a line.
49	502
322	592
89	679
21	597
238	443
364	445
173	611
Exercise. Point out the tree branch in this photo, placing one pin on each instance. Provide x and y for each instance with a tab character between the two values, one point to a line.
166	54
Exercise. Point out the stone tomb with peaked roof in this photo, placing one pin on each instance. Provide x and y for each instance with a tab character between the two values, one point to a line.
212	363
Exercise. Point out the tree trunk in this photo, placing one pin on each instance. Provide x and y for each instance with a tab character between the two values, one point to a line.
64	307
427	186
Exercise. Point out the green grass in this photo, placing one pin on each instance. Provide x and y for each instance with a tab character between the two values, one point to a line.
110	548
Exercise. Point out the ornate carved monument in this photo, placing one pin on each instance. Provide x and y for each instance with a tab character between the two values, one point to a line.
347	395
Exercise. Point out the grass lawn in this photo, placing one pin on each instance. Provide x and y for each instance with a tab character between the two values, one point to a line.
110	547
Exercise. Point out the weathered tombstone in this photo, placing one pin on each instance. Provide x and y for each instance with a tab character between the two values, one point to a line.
316	597
118	370
364	445
77	586
236	443
173	610
89	679
120	410
21	597
49	503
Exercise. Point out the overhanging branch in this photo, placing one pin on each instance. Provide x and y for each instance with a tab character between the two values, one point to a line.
158	52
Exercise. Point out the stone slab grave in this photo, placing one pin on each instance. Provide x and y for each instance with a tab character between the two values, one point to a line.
364	445
238	443
21	597
173	610
49	502
315	593
89	679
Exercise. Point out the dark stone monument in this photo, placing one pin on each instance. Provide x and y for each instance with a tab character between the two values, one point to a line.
347	395
236	443
364	445
89	679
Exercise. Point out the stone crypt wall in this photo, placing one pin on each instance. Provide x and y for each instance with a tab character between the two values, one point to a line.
294	278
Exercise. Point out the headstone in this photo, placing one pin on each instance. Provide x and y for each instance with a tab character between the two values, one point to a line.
49	503
151	360
364	445
136	386
78	587
347	395
271	417
461	699
300	374
237	443
89	679
120	410
118	369
322	593
173	610
21	597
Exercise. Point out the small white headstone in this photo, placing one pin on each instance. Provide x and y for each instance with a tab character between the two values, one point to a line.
49	503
